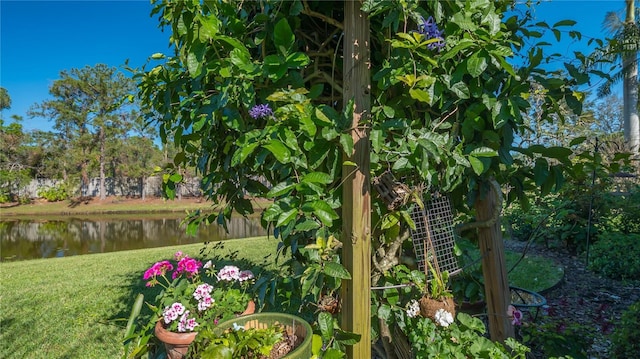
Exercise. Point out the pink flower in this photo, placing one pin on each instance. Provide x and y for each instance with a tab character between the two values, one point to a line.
187	265
172	312
229	273
186	323
205	303
178	255
202	291
515	315
159	268
245	275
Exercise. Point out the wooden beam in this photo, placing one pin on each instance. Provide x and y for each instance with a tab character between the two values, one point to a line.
356	206
496	284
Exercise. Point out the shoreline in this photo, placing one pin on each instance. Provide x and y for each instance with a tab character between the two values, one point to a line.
110	206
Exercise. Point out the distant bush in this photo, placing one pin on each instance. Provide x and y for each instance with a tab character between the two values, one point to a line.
616	255
56	193
625	341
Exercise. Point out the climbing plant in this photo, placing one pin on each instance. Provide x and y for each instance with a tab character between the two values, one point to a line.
252	97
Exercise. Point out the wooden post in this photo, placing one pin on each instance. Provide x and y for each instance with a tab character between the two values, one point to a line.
356	206
496	285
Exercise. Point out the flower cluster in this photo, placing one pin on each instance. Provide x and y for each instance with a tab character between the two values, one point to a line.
192	298
413	308
443	318
260	111
430	30
172	312
233	273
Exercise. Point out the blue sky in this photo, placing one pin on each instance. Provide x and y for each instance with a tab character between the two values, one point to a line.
38	39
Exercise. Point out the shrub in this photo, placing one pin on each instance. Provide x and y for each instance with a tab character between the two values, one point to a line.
556	336
616	255
56	193
625	341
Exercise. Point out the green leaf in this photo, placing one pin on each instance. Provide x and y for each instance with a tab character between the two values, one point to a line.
484	152
287	217
471	323
279	151
346	141
280	189
316	343
194	65
577	141
461	45
297	60
283	37
307	225
461	90
325	323
540	171
243	152
317	177
326	114
477	165
336	270
322	210
420	95
476	64
564	23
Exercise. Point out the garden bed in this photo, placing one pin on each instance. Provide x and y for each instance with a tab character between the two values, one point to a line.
583	299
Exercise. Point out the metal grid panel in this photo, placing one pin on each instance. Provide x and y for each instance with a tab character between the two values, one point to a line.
435	219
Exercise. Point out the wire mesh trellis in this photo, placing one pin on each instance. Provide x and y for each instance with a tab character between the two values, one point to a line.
434	234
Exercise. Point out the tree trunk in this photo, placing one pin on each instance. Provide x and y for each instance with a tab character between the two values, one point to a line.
103	195
630	87
142	186
356	207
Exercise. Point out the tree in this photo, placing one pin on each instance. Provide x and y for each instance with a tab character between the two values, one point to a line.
623	48
15	169
252	98
135	155
89	111
5	99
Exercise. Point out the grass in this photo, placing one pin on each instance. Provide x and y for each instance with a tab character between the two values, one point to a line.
77	307
534	273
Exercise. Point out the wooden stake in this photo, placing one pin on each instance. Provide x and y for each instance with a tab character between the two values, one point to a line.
356	207
496	285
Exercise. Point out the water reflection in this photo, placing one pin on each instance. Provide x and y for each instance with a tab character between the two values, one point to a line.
47	238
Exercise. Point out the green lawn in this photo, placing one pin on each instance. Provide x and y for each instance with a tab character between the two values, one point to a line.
77	307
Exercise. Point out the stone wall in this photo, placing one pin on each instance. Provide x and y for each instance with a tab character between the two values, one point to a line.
127	187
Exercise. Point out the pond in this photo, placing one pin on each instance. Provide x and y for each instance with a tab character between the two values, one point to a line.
69	236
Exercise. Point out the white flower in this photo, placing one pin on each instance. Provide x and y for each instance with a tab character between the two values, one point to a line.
245	275
237	327
229	273
443	317
209	264
413	308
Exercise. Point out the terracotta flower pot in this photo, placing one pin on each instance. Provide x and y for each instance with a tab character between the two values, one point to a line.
177	344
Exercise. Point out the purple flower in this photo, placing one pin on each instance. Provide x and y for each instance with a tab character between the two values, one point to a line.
430	30
260	111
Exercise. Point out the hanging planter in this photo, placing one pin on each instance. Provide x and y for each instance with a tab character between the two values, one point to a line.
436	309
